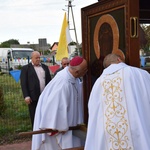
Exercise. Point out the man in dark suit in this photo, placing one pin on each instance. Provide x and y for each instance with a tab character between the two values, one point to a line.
34	77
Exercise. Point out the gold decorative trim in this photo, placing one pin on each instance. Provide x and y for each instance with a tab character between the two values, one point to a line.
111	21
116	120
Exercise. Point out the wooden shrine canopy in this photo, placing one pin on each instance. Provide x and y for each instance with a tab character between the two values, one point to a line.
144	11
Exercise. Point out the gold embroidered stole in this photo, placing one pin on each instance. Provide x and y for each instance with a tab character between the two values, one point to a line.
116	122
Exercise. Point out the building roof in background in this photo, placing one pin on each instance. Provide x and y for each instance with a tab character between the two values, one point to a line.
53	46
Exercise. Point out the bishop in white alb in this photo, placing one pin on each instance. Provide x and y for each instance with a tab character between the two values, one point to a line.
59	107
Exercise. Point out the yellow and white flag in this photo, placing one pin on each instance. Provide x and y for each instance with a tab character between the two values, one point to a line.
64	40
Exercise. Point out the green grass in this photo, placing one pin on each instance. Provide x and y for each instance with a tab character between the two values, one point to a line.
14	118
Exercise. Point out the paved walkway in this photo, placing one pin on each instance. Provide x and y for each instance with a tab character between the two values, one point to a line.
17	146
26	146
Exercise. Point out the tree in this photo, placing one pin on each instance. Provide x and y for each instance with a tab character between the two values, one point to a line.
9	42
146	29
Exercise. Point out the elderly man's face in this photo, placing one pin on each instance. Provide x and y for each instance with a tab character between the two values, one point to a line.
36	59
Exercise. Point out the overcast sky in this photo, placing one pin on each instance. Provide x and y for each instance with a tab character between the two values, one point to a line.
29	20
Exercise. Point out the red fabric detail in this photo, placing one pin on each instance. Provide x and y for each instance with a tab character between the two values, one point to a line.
54	68
77	60
53	133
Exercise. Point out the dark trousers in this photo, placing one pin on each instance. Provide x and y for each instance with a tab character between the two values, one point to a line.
32	108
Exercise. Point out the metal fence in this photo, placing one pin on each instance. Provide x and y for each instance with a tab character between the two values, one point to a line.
14	115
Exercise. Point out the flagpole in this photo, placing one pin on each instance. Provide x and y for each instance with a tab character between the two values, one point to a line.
70	6
73	22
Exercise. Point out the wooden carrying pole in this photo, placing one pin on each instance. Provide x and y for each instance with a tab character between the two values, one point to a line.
78	127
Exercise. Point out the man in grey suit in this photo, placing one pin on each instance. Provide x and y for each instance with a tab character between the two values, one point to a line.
34	77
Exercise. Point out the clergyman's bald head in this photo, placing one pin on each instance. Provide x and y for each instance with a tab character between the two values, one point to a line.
111	59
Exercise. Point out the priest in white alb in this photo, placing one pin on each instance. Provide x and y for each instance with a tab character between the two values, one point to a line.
60	106
119	108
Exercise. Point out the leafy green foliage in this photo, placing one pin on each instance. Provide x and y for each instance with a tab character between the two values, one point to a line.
146	29
8	43
72	43
19	67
